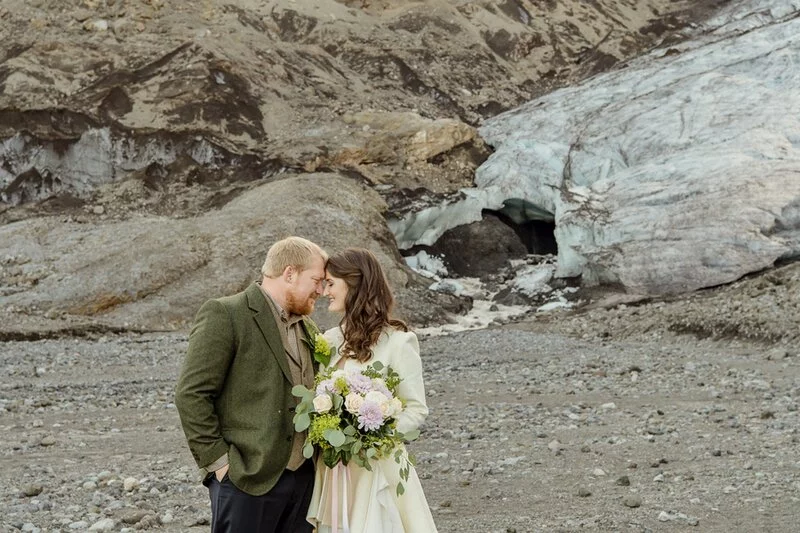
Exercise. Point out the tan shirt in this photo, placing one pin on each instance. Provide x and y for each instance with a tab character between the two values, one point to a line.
298	355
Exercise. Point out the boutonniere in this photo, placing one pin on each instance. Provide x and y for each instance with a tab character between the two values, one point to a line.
321	350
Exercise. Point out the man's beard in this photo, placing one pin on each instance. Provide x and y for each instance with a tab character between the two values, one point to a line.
297	305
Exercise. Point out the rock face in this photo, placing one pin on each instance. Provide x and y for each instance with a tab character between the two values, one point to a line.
146	148
93	93
678	172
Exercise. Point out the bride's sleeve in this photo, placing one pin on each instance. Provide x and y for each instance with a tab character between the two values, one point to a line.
408	364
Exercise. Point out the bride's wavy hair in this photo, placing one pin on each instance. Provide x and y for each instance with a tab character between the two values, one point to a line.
368	304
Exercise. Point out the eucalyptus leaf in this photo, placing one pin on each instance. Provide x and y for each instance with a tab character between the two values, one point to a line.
335	437
411	435
299	390
301	421
377	365
308	450
400	489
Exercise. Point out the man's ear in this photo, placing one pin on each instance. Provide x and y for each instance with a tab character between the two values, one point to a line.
289	274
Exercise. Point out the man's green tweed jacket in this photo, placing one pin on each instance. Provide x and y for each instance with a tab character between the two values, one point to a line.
234	393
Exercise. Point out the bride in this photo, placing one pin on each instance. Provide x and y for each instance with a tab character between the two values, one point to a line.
356	286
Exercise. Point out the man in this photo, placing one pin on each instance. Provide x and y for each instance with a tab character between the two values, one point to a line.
245	354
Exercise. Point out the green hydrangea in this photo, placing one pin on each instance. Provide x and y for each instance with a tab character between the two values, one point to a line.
341	386
319	425
322	350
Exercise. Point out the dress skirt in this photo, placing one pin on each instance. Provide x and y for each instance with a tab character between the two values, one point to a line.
367	501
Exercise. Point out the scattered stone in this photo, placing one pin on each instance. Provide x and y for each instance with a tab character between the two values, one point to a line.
31	490
106	524
134	517
198	521
130	484
555	446
632	500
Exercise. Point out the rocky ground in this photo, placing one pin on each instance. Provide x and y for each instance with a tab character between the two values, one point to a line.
600	420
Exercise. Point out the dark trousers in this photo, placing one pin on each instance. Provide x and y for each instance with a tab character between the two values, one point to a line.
281	510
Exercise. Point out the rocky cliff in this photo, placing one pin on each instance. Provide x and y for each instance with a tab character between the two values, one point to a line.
150	150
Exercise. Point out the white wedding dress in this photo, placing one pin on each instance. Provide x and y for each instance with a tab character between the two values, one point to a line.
370	498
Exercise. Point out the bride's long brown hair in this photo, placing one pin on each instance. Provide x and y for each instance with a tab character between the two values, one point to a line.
368	304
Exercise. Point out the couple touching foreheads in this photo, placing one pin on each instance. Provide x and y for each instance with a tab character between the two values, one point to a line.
234	396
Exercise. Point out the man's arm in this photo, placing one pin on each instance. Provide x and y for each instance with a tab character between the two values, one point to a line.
211	350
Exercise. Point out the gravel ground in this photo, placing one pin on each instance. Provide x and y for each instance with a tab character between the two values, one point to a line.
529	431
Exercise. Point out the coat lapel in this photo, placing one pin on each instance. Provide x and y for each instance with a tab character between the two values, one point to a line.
263	316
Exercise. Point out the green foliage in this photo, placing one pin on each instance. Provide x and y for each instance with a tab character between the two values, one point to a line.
301	421
319	426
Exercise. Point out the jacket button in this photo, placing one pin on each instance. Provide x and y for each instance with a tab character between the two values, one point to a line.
289	438
291	409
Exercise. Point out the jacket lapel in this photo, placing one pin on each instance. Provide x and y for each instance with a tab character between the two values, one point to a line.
263	316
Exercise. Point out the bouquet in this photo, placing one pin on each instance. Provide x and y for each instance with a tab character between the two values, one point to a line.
352	416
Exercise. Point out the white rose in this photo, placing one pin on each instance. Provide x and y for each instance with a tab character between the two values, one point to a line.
391	408
396	407
353	402
377	398
323	403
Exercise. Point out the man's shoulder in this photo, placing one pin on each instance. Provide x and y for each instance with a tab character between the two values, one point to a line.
231	301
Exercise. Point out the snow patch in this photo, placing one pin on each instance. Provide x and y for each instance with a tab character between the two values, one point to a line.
531	277
428	265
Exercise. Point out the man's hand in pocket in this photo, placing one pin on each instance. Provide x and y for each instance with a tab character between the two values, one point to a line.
220	474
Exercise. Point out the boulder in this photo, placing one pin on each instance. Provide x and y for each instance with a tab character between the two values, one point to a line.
153	272
478	249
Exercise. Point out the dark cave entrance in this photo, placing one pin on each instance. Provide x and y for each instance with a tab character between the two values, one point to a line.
534	227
